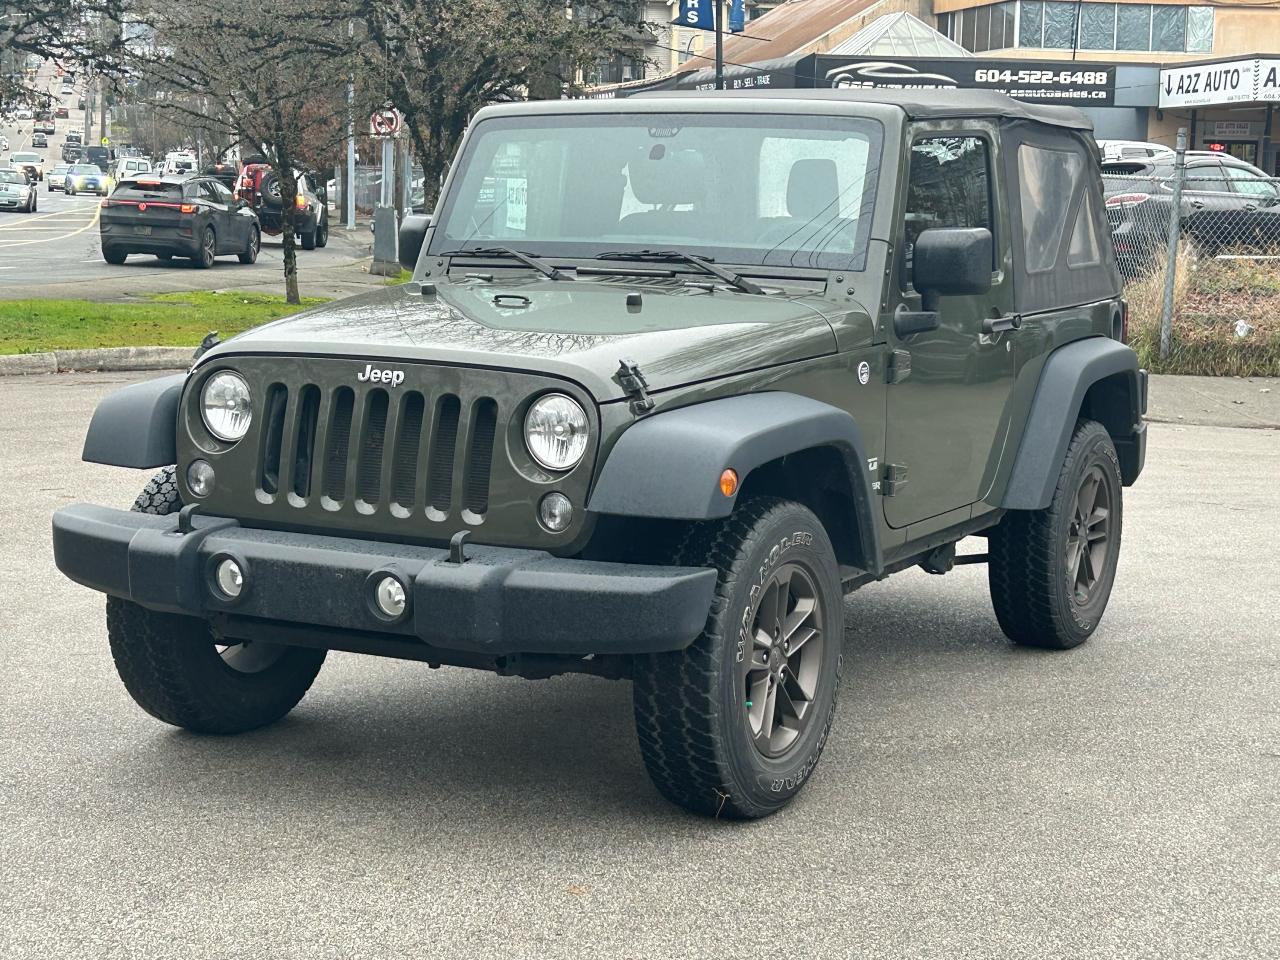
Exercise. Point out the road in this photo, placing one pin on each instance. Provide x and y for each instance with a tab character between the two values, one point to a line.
55	252
975	800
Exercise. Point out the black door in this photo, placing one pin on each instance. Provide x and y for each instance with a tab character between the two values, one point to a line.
220	216
1260	206
1211	210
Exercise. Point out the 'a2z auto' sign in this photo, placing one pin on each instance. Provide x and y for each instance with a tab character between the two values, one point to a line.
1251	80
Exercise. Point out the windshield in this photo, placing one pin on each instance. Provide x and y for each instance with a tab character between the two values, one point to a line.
745	189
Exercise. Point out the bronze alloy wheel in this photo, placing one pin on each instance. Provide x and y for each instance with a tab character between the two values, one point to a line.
780	677
1087	540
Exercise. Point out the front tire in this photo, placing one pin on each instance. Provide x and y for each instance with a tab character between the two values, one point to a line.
734	724
175	671
1051	571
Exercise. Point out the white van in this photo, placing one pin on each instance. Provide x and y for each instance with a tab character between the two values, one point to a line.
178	165
129	166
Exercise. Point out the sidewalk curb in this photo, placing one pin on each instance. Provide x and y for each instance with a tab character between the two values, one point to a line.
107	359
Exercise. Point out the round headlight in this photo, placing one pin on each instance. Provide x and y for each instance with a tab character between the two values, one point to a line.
226	406
555	431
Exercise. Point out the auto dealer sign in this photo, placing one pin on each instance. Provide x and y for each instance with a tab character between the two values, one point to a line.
1251	80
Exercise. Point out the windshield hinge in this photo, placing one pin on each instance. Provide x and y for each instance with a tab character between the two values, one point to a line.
635	386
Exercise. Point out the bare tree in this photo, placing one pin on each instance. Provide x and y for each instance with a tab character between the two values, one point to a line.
268	74
439	61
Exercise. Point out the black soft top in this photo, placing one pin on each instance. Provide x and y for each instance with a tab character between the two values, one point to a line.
920	104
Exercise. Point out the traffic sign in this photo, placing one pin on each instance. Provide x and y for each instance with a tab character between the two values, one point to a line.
386	123
106	141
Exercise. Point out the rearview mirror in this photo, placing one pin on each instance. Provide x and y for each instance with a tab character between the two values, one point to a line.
413	231
951	262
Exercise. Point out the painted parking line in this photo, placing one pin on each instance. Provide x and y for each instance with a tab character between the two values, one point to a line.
93	222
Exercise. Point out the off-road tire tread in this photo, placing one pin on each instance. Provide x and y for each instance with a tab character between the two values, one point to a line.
1021	554
160	496
679	743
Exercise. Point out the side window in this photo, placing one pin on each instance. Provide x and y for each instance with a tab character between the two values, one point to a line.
1206	178
207	192
1084	250
221	192
1047	179
1246	181
949	186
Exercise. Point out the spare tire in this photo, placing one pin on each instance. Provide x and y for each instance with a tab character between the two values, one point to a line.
270	190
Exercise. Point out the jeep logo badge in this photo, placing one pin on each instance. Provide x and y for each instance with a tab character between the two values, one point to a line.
372	375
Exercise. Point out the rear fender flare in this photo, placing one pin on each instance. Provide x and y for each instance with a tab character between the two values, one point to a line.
1065	380
668	465
137	425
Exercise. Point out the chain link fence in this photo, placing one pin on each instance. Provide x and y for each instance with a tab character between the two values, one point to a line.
1198	245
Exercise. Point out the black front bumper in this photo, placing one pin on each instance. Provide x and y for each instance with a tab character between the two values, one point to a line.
499	601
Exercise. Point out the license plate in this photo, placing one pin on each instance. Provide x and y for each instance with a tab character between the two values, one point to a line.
144	231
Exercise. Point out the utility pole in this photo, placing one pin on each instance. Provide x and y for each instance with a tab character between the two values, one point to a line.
88	104
719	20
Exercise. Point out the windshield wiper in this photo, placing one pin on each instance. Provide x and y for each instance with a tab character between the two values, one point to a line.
541	266
702	263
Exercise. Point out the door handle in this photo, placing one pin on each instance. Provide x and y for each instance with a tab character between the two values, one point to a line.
1251	207
1198	204
1002	324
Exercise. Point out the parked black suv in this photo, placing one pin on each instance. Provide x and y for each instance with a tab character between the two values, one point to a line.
1227	205
194	217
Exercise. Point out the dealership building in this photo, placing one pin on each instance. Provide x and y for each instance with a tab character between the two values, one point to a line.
1139	70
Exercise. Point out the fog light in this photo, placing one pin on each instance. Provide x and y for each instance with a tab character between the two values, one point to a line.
230	578
555	511
200	478
389	596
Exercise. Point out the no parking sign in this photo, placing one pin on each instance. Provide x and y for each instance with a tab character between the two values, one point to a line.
386	123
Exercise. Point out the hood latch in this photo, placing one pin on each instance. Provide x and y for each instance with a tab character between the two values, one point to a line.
635	386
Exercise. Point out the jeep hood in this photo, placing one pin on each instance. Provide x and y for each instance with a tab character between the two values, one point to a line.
579	330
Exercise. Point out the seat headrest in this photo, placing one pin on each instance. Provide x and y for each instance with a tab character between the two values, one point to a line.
812	189
664	176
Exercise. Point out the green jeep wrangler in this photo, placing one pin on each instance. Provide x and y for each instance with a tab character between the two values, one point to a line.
673	375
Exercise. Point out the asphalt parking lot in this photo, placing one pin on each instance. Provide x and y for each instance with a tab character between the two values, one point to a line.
1120	800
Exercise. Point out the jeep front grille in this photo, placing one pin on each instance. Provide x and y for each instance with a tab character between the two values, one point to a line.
374	442
440	452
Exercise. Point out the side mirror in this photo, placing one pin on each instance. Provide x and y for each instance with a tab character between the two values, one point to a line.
951	262
413	231
946	262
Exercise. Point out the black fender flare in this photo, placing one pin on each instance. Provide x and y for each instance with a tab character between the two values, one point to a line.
668	465
137	425
1065	379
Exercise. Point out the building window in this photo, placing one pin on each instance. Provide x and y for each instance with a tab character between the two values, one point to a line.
1066	25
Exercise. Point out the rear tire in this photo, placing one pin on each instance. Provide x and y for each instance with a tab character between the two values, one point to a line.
1051	571
734	724
250	254
173	669
322	233
308	239
166	257
113	256
208	249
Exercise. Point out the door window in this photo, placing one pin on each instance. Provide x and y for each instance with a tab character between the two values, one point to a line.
949	186
221	192
1246	181
208	193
